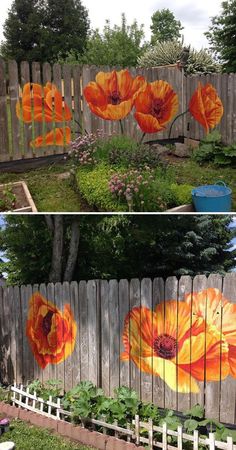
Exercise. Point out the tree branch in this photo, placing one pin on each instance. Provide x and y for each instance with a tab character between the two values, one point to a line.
49	222
73	250
57	250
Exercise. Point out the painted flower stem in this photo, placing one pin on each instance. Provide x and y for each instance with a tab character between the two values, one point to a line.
177	117
121	126
142	138
78	123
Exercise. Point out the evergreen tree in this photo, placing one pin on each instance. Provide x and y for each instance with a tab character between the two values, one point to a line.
165	27
222	35
38	30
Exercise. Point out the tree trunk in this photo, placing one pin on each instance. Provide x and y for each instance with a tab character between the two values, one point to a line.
73	250
57	250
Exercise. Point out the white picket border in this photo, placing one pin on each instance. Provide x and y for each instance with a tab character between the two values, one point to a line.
54	411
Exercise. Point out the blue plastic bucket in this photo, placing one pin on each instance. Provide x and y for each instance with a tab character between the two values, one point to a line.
212	198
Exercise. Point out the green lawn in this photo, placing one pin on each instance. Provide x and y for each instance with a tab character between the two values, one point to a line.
191	172
50	192
29	437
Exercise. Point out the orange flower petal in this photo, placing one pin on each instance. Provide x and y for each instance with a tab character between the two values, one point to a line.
174	376
138	332
206	106
58	136
51	333
148	123
159	103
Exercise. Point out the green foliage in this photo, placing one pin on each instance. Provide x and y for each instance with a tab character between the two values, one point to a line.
44	390
7	199
85	400
165	27
221	35
181	193
137	157
32	25
28	437
120	45
171	420
196	411
211	149
93	185
118	246
169	52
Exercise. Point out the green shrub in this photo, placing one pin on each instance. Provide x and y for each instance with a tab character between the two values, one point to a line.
182	193
155	194
212	150
164	53
121	144
137	157
93	186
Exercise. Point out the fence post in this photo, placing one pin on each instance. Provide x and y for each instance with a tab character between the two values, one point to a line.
230	443
137	430
164	436
150	434
180	437
211	441
195	440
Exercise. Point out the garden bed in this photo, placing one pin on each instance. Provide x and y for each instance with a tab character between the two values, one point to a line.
16	197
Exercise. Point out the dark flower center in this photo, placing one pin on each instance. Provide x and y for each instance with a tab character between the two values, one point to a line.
114	98
47	323
158	107
165	346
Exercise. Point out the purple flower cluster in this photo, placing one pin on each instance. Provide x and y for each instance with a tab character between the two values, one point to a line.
82	150
132	185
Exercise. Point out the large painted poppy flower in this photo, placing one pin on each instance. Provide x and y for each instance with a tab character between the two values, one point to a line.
52	108
156	106
58	136
168	344
51	332
219	312
112	95
206	106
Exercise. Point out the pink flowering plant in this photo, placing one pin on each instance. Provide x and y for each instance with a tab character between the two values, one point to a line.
83	149
133	187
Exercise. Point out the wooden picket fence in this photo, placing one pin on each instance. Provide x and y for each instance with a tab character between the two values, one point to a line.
15	136
132	432
100	308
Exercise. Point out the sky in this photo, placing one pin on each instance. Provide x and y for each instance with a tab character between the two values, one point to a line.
194	15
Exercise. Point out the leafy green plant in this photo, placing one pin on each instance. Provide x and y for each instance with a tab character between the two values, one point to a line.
93	186
171	420
182	193
7	199
211	149
137	157
47	389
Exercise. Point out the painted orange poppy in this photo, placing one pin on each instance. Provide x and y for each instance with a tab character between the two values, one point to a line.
219	312
112	95
58	136
206	106
42	103
167	343
156	106
51	332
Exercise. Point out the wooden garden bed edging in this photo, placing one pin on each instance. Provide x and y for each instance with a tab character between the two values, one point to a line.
29	407
22	188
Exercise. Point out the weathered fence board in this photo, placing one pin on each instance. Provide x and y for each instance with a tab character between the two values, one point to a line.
99	309
16	136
